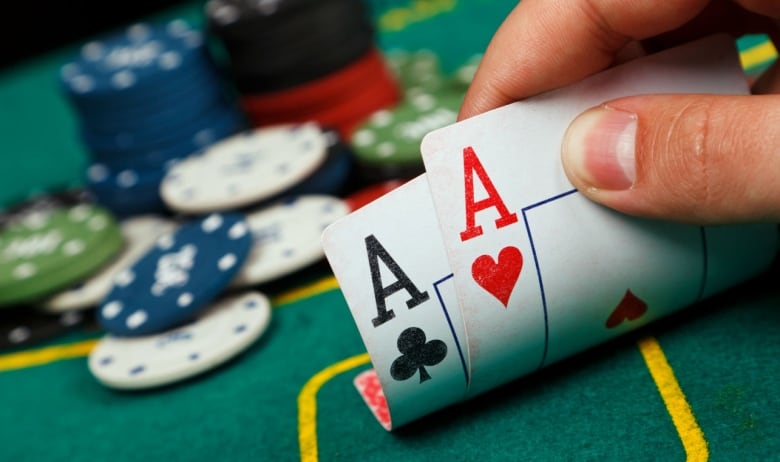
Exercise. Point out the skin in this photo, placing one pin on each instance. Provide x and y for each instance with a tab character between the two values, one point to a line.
701	159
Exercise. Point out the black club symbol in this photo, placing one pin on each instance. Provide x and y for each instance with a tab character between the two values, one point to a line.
416	354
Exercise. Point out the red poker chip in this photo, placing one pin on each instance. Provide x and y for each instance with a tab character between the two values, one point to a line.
343	117
371	193
341	101
321	91
373	94
347	115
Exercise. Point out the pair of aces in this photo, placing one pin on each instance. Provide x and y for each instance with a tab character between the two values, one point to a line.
491	265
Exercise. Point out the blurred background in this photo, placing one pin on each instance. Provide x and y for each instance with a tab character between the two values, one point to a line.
41	146
28	29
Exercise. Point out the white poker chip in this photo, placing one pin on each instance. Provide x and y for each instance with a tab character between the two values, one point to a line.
245	168
227	328
287	237
140	233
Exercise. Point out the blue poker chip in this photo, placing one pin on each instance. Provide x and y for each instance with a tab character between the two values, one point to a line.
204	130
137	59
175	280
176	107
192	141
152	159
110	109
127	192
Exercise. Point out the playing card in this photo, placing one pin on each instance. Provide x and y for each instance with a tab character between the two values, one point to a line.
392	268
369	388
540	271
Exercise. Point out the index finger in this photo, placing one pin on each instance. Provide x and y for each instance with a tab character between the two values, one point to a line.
546	44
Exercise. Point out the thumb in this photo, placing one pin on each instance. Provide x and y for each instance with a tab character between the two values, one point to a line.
701	159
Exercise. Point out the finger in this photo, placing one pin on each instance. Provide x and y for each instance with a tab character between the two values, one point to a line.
688	158
545	44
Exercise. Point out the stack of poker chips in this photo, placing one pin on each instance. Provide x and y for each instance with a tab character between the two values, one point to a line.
162	315
251	210
145	96
259	166
49	243
287	180
303	60
387	143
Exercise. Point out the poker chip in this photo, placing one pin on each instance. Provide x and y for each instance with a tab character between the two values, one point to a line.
277	45
140	233
464	74
43	202
291	65
387	145
193	97
183	272
133	141
368	194
126	192
212	128
340	100
222	331
287	237
244	169
146	96
319	93
332	177
418	71
129	62
23	326
48	250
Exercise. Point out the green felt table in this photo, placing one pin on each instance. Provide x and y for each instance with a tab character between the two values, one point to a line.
699	385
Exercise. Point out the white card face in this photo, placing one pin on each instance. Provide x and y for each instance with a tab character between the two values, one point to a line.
392	267
622	276
538	269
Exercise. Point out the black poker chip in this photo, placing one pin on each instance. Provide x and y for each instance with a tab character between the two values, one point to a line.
273	46
376	173
43	202
22	327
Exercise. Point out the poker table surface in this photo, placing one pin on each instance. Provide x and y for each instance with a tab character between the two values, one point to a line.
698	385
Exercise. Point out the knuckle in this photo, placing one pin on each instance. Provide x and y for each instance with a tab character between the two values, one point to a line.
684	155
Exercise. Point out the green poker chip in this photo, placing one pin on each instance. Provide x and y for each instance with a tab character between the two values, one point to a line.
464	74
391	138
416	71
52	249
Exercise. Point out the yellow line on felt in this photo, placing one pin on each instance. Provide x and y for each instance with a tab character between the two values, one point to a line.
307	404
46	355
758	54
684	421
41	356
323	285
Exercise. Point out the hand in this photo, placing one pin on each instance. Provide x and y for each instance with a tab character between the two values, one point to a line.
690	158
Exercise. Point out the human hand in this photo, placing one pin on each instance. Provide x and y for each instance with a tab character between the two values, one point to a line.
690	158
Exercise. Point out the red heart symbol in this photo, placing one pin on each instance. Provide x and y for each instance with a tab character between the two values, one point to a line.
630	307
498	278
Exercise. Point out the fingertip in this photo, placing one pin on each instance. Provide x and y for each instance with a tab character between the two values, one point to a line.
598	149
